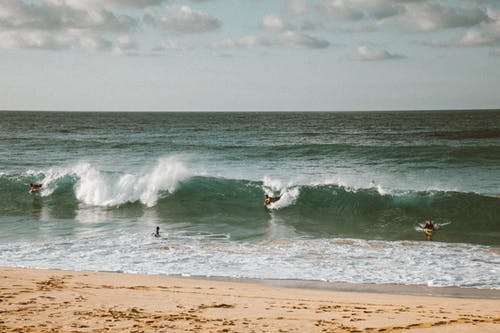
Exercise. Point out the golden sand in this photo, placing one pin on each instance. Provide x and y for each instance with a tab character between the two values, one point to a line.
65	301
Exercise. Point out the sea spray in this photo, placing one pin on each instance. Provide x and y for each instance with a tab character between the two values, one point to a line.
99	189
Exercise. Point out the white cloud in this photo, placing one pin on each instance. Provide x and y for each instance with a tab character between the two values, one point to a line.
477	38
111	3
254	41
472	38
95	44
341	10
126	44
427	16
35	40
244	42
273	22
184	20
302	41
21	15
298	6
368	52
289	39
44	40
55	25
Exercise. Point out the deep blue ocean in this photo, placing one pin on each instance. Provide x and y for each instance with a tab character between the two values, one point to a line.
355	187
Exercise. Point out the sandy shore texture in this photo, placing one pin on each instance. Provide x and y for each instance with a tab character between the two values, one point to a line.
66	301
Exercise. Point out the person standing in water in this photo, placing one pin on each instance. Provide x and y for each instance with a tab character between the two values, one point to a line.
429	229
157	233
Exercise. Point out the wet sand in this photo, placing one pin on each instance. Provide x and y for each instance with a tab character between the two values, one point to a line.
66	301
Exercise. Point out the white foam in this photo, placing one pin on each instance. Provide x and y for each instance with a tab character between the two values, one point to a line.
95	188
341	260
288	194
98	188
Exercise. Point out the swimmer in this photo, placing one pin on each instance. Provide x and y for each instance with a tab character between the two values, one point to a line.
268	200
157	233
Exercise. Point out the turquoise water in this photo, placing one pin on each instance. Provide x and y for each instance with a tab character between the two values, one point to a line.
355	189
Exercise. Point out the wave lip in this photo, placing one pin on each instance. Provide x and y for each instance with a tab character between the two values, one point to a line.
99	189
94	187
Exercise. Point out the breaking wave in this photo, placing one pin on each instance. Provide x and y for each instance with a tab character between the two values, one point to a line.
325	210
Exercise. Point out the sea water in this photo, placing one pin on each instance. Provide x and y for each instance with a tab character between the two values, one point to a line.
355	190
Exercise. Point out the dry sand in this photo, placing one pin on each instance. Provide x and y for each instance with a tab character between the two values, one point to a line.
64	301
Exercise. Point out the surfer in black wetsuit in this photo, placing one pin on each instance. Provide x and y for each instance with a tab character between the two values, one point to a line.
268	200
157	233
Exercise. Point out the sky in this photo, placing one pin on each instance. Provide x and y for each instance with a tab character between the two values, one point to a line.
249	55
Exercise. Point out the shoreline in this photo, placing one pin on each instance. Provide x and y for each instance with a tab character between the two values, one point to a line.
395	289
350	287
35	300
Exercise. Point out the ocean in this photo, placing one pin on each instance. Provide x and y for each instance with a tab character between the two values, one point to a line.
355	189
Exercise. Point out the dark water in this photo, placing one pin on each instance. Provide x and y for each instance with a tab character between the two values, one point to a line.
356	177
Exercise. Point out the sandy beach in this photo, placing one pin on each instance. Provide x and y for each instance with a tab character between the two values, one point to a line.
66	301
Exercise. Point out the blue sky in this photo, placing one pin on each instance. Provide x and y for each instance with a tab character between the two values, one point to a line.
246	55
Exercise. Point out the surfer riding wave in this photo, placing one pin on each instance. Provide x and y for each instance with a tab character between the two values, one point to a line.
268	200
35	187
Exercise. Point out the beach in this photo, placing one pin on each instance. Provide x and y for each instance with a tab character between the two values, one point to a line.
33	300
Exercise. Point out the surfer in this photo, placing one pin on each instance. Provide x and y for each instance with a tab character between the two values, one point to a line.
35	187
157	232
268	200
429	229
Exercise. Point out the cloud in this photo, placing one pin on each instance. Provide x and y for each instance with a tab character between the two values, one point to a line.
289	39
301	41
428	17
298	6
244	42
56	25
368	52
170	44
126	45
112	3
184	20
44	40
35	40
477	38
342	10
472	38
94	43
273	23
21	15
254	41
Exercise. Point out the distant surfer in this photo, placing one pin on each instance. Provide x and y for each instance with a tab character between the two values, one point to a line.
268	200
429	229
157	232
35	187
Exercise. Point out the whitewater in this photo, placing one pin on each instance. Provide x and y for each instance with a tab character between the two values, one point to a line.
355	189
